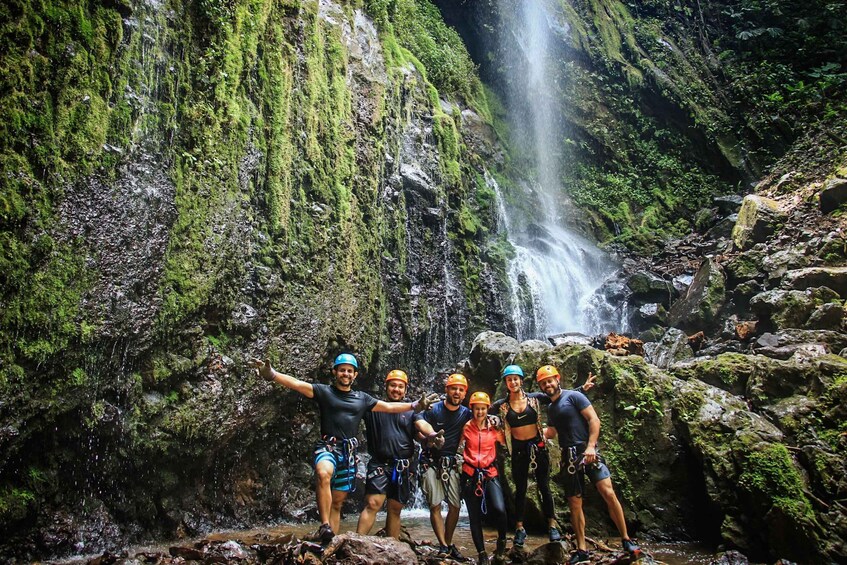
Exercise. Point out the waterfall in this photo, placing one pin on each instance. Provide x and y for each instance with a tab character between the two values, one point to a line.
555	272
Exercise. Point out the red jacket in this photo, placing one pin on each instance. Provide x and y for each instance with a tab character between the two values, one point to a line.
480	448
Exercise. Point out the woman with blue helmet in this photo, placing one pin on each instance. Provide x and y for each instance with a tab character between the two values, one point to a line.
521	415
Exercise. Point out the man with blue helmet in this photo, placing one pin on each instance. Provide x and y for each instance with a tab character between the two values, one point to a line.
341	410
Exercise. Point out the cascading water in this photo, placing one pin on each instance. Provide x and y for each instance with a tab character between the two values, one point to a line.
555	272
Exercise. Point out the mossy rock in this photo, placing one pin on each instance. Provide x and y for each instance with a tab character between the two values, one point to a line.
758	219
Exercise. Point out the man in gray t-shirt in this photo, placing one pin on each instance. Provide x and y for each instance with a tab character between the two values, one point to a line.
341	410
572	418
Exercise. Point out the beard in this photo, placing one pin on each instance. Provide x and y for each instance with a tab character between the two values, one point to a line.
453	402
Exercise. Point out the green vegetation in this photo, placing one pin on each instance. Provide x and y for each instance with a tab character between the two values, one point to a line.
770	473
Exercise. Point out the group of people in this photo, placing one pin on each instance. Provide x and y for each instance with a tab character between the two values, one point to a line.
459	453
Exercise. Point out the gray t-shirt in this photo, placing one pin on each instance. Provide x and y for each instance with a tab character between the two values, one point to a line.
565	414
341	411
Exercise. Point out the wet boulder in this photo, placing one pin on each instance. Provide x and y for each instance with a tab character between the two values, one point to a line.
831	341
758	219
729	204
745	266
776	264
648	287
699	308
833	195
780	309
750	476
727	371
355	549
647	315
671	348
827	316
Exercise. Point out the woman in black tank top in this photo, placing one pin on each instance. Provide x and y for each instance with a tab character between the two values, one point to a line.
520	412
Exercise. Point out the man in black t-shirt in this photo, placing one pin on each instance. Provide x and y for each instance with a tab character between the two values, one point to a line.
572	418
392	465
441	471
341	410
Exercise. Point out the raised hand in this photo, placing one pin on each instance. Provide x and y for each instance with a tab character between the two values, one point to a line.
435	440
425	401
264	368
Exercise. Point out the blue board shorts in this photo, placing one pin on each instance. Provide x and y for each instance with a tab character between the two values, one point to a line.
344	462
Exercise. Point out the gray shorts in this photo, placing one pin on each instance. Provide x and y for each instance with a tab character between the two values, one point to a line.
574	482
436	491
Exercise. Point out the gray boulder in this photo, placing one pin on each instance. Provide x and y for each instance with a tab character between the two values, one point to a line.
758	219
831	277
782	309
827	316
647	287
699	308
833	195
671	348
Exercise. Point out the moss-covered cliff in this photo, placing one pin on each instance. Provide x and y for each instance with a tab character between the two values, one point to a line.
187	183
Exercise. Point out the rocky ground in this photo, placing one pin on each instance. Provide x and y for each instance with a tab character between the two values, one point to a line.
347	549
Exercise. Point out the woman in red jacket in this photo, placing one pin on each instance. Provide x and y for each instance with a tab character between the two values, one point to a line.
481	489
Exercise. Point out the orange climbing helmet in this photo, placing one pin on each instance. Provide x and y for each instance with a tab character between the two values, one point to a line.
546	372
456	379
480	398
397	375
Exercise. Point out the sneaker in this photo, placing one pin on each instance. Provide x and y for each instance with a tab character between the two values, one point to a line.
482	559
579	557
453	553
325	533
555	535
631	547
520	537
443	551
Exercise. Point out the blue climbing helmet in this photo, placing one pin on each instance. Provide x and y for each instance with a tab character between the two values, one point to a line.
346	358
512	370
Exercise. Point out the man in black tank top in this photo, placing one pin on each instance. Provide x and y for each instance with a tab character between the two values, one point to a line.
392	467
341	410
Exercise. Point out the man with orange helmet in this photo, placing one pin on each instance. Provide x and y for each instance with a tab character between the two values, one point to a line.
341	410
441	467
572	418
391	467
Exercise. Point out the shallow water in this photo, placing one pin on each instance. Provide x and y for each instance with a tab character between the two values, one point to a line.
416	522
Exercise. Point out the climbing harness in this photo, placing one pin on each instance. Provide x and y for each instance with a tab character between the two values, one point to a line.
481	475
533	454
349	454
401	469
445	463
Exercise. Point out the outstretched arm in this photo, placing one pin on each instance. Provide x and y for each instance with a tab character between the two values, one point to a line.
270	374
425	401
